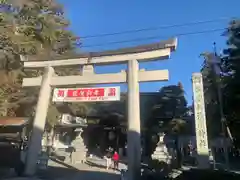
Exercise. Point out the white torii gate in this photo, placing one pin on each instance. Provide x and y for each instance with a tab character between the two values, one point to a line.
133	76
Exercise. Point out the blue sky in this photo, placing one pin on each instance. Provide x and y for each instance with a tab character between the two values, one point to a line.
92	17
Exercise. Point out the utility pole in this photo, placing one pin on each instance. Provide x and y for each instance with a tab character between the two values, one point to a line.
216	67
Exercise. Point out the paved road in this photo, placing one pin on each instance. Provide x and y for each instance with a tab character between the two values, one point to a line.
61	171
58	171
102	163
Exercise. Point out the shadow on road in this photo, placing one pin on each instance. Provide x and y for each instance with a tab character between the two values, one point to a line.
70	172
62	163
198	174
67	173
95	165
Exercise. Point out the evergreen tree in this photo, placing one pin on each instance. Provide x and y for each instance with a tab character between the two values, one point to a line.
170	109
210	80
31	29
231	70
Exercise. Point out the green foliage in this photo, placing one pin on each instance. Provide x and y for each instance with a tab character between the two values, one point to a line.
210	83
231	70
177	126
32	29
228	83
169	112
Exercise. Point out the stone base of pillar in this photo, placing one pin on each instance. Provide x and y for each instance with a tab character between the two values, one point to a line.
161	155
80	151
42	162
78	157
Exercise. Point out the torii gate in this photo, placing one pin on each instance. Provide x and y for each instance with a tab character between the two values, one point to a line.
133	76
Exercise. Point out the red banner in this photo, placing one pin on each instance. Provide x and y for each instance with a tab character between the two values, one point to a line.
86	94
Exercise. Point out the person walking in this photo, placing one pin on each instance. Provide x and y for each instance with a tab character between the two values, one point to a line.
109	160
116	160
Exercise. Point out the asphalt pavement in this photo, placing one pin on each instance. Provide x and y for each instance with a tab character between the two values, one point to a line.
93	170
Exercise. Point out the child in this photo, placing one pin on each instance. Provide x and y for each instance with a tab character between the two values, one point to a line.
116	160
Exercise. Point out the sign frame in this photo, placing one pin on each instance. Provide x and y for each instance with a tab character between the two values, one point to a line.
90	94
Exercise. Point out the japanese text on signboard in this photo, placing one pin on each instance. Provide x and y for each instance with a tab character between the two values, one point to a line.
86	94
200	123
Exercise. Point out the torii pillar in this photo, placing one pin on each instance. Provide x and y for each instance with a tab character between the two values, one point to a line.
134	129
39	121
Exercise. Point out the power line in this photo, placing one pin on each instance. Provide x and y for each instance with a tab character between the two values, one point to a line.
156	28
156	37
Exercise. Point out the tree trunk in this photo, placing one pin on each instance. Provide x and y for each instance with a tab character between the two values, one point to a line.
178	152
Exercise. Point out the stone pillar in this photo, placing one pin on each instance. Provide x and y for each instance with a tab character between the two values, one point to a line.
200	122
39	122
134	138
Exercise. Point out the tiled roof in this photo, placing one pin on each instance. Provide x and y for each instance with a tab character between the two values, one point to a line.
13	121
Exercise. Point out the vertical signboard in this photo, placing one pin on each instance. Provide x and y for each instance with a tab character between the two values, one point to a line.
200	121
